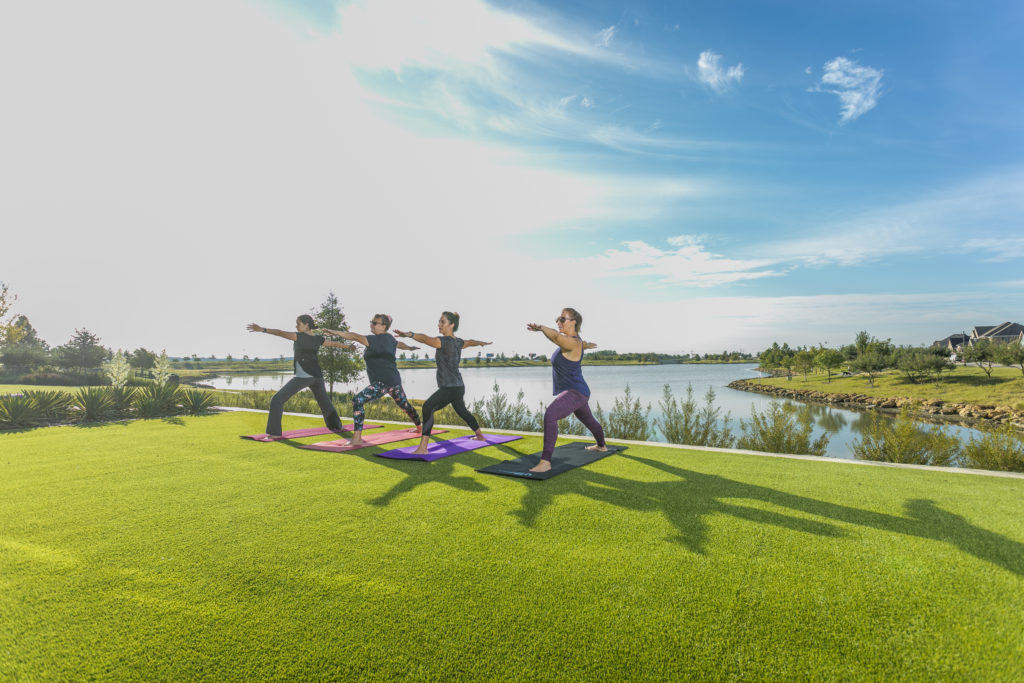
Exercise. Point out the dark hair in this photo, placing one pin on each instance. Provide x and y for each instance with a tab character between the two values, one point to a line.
306	320
384	319
575	315
453	318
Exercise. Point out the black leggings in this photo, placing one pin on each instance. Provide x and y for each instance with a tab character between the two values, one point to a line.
442	397
294	386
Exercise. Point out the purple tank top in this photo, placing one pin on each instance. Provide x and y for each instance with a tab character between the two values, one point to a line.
567	374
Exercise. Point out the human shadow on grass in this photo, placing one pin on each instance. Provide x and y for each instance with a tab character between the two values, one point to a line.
692	496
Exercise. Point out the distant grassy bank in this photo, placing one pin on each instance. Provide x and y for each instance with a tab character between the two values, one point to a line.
172	550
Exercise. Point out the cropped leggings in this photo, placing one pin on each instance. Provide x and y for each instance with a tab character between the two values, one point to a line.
375	391
570	402
442	397
294	386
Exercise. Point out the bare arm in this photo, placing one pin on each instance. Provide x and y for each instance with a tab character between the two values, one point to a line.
339	345
406	347
474	342
351	336
589	345
433	342
253	327
564	341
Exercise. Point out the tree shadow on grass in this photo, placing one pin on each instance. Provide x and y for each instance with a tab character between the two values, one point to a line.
686	500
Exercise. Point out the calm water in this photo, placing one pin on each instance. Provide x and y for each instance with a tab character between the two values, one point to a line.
607	382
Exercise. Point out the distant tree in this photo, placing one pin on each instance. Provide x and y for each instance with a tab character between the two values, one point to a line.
803	362
861	341
871	363
338	365
245	356
7	299
982	353
829	360
82	352
1012	354
228	358
142	359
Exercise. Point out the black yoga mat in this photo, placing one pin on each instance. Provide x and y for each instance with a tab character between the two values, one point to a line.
565	458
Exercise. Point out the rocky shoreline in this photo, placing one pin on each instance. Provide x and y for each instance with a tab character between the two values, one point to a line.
968	414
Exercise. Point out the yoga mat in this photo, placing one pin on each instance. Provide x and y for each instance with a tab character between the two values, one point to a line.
300	433
564	458
442	449
375	439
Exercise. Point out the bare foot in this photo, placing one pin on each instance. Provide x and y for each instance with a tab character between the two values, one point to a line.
420	451
480	437
542	466
595	447
355	442
268	438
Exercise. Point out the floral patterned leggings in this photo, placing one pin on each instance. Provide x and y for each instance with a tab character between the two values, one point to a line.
375	391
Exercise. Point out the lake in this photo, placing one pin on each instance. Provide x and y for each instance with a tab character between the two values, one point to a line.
607	382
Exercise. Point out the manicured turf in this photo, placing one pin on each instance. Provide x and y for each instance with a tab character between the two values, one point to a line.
174	550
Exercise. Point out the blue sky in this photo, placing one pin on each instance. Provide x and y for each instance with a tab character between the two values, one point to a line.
691	176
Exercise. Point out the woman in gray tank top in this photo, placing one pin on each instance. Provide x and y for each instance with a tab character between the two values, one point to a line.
450	387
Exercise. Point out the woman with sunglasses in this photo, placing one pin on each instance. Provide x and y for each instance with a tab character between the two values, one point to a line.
450	387
381	370
308	374
572	395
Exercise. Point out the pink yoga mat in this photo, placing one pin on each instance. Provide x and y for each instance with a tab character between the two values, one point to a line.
300	433
375	439
442	449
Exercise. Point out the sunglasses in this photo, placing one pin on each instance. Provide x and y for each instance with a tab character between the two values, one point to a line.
563	319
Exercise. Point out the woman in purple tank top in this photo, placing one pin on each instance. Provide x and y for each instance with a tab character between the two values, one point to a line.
572	395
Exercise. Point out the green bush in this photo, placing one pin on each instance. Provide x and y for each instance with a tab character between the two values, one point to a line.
94	404
54	405
498	412
995	448
156	400
197	402
627	419
684	423
19	411
782	428
904	440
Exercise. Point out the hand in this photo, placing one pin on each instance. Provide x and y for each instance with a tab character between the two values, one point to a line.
534	327
253	327
403	334
486	343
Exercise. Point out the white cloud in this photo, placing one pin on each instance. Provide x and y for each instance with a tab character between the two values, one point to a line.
686	263
711	72
858	87
604	36
586	103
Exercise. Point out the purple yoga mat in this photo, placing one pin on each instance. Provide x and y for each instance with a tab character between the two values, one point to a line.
376	439
309	431
442	449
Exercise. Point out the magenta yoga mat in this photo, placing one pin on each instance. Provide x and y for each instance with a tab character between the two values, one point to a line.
300	433
442	449
376	439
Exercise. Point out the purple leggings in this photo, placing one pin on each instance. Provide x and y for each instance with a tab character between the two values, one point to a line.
569	402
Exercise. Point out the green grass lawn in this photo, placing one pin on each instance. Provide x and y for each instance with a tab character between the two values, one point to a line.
172	550
963	385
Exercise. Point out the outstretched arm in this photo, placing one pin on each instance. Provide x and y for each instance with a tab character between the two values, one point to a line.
351	336
474	342
253	327
339	345
589	345
565	342
406	347
433	342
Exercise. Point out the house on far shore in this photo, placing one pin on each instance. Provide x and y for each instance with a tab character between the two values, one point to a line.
954	342
1005	333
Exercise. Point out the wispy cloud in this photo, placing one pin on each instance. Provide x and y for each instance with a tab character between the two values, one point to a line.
858	87
685	261
604	37
711	72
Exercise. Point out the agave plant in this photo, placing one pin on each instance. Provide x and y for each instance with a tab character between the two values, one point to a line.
156	400
95	403
122	397
53	405
197	402
19	411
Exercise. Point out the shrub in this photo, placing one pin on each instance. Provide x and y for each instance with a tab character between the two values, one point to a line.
627	419
53	405
94	404
682	422
156	400
782	428
498	412
903	440
995	448
19	411
196	402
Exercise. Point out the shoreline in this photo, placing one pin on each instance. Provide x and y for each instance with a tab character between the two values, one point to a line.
931	410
